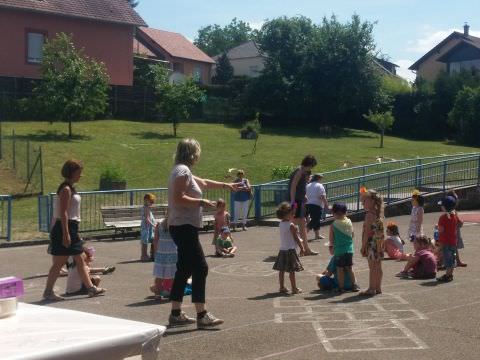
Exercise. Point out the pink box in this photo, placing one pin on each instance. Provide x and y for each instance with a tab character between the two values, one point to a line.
11	287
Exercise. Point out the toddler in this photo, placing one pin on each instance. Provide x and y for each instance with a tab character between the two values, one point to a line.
422	264
447	237
460	244
222	218
415	227
328	279
224	245
394	245
147	227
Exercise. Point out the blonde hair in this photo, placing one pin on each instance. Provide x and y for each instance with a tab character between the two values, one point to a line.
149	197
377	201
283	210
188	152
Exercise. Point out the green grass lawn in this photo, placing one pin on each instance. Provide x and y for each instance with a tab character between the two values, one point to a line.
145	151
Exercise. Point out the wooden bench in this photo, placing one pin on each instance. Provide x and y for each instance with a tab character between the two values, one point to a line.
126	218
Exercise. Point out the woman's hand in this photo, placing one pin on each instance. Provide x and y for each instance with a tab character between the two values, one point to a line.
234	186
208	203
66	242
363	251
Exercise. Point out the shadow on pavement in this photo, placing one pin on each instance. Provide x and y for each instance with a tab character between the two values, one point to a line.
269	296
270	259
149	301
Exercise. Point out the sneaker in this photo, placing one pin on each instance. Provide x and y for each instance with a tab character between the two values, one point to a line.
208	320
180	320
96	291
355	288
52	296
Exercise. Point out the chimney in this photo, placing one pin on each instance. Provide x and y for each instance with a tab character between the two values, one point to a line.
466	28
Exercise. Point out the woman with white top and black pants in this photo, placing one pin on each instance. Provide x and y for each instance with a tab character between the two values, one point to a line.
64	238
185	205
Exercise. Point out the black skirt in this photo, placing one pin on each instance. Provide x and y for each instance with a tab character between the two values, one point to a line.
288	261
56	247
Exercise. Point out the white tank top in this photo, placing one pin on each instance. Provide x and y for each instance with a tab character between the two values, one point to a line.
287	241
73	210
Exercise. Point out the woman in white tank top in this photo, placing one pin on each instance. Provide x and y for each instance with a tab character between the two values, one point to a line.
64	238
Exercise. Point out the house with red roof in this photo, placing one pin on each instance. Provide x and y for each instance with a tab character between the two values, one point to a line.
183	57
456	52
103	28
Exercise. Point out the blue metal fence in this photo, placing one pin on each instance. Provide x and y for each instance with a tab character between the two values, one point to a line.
93	201
382	166
5	217
394	184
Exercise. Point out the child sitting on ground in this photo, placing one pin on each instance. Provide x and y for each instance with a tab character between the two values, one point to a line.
394	244
328	279
422	264
165	260
222	219
341	246
224	245
74	282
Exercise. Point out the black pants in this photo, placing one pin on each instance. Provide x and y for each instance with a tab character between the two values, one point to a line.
191	262
315	213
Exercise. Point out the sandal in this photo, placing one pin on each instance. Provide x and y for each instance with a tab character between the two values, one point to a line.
108	270
368	292
355	288
445	278
96	291
52	296
283	290
297	291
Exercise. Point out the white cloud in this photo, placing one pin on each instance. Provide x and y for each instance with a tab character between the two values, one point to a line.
431	38
256	25
403	71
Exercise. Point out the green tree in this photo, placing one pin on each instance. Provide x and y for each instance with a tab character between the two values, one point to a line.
73	87
175	101
215	40
383	121
465	116
223	70
133	3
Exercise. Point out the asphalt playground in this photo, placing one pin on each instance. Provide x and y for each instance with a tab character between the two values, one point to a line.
418	319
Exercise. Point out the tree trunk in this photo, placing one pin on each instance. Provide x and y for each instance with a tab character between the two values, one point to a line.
381	138
69	129
175	129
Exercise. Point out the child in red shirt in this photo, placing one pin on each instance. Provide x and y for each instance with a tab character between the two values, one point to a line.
447	230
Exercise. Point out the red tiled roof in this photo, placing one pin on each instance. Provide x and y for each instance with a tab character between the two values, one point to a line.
176	45
116	11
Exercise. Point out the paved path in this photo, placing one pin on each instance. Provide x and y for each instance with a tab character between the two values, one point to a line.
412	319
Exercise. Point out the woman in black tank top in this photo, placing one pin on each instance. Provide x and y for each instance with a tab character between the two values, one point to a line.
297	189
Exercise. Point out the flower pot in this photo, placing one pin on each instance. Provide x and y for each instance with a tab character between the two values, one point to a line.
107	184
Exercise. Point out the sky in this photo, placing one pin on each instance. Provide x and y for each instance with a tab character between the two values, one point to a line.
405	29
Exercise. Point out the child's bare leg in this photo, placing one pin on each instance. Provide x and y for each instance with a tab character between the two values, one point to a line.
350	273
379	277
371	275
281	280
341	277
144	255
233	250
293	283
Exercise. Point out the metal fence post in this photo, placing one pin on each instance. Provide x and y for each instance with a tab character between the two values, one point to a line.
9	219
359	184
131	198
478	174
389	188
444	175
232	206
258	202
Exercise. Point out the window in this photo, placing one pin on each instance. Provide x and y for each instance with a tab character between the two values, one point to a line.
35	41
178	67
197	74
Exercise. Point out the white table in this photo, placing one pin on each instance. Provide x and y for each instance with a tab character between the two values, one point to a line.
42	332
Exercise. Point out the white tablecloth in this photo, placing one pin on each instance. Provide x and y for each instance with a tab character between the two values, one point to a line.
42	332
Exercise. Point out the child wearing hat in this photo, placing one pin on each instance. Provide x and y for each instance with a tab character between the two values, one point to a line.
224	244
447	231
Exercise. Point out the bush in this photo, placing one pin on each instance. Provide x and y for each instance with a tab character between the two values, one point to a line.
282	172
112	177
251	129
